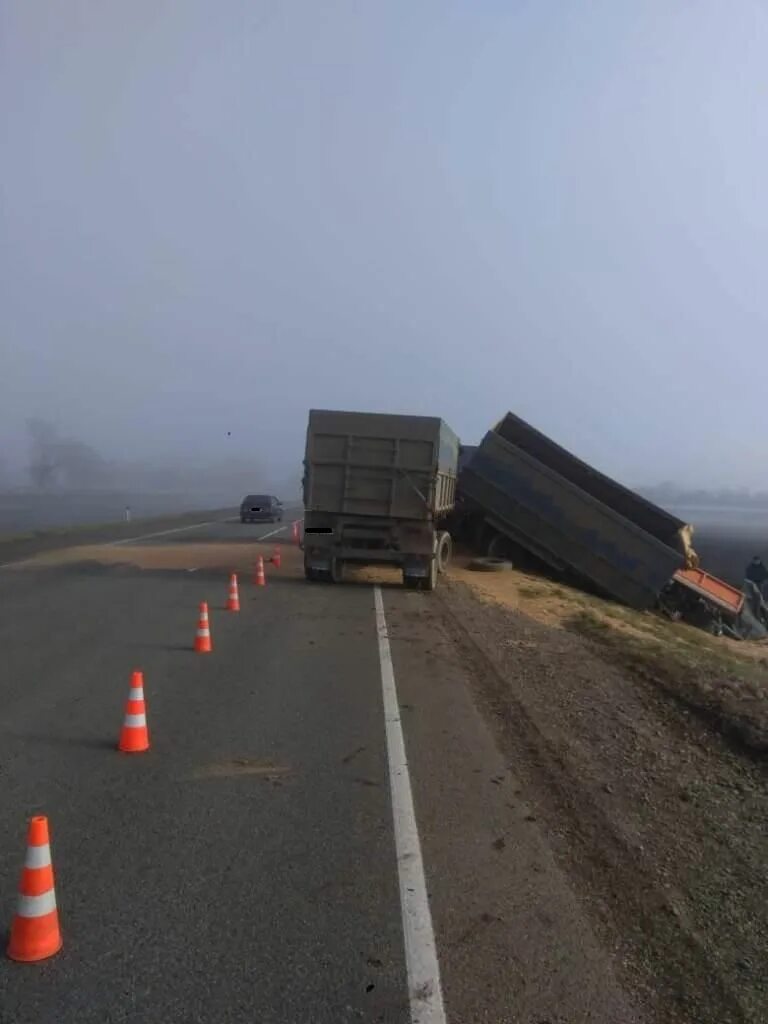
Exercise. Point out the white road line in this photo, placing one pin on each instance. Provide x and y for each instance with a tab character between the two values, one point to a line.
270	534
424	989
164	533
194	526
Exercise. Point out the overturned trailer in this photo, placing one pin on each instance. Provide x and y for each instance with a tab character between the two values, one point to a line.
519	489
507	492
666	528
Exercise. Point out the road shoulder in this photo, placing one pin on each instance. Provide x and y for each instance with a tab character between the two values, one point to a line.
656	822
513	940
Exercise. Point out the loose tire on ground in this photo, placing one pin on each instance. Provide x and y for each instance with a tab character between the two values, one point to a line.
490	564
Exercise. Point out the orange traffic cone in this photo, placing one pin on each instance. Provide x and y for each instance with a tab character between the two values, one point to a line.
134	736
276	558
233	601
296	532
203	636
35	933
260	579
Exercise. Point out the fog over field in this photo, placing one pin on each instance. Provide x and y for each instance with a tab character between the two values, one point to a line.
215	217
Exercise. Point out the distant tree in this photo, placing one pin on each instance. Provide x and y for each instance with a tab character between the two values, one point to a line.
81	465
57	460
42	458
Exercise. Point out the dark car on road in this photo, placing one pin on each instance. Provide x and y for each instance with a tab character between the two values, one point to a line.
261	508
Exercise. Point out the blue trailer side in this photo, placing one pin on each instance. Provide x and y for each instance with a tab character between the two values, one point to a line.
563	525
643	513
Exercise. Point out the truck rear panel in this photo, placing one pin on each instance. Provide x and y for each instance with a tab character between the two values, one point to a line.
385	466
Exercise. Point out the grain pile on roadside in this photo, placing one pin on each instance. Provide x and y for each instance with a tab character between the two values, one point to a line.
188	557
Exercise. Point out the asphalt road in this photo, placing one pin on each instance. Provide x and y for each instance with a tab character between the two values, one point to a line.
245	868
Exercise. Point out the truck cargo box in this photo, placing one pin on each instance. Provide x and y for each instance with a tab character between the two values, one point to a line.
379	465
638	510
466	451
563	524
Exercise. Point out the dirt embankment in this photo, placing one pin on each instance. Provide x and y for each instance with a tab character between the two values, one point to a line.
641	745
724	681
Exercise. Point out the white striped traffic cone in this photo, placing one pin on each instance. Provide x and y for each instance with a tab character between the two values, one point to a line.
203	643
233	600
35	933
134	736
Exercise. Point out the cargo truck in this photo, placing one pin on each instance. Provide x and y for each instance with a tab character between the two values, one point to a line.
378	489
662	525
518	485
521	490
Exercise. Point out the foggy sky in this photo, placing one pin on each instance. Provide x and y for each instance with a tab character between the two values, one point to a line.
218	214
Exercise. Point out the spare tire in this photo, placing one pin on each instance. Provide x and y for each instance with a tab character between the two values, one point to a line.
490	564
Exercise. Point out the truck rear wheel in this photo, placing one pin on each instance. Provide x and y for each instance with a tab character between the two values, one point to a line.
430	582
313	574
444	550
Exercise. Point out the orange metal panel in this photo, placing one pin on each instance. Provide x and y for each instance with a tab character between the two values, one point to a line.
711	588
